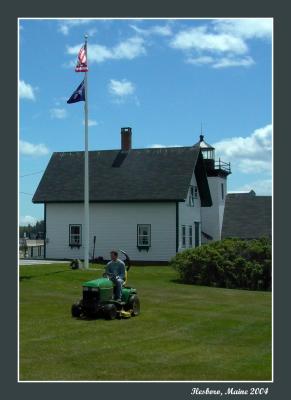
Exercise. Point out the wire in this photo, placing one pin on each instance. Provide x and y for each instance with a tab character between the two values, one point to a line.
32	173
28	194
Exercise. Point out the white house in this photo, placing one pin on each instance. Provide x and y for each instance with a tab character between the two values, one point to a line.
151	202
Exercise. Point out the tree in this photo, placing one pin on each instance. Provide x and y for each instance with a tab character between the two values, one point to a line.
36	231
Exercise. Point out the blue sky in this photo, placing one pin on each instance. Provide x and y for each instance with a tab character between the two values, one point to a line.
160	77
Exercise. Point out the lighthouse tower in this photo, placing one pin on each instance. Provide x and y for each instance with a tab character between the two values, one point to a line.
217	172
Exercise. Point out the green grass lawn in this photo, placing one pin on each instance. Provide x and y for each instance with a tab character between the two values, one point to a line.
184	332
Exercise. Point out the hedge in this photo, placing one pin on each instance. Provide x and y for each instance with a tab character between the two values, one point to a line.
229	263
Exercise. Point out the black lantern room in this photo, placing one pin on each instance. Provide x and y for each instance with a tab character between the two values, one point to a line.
213	167
208	151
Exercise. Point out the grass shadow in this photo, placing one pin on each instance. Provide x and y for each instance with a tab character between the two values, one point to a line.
28	277
23	278
180	281
95	318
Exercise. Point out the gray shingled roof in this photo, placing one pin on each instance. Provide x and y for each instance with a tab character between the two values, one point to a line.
137	175
247	216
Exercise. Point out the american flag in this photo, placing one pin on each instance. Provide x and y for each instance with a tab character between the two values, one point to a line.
82	60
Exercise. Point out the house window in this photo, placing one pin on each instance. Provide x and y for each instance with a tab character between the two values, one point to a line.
183	236
75	235
190	236
193	194
222	191
144	235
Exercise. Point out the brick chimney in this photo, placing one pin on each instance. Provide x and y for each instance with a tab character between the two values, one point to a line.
126	139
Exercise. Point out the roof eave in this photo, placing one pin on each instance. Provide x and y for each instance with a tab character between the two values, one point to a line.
111	201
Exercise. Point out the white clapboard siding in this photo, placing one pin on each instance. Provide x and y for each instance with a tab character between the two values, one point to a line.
115	227
188	215
212	217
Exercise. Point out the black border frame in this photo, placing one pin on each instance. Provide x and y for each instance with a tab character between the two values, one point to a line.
279	389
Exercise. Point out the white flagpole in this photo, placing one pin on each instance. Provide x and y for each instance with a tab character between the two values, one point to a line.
86	180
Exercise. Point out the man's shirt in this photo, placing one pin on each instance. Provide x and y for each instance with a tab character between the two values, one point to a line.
117	268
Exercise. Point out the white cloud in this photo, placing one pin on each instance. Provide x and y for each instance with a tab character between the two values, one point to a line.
225	62
66	25
222	43
247	28
58	113
121	88
91	122
202	40
200	60
262	187
31	149
98	53
161	30
128	49
248	166
251	154
26	91
27	219
221	62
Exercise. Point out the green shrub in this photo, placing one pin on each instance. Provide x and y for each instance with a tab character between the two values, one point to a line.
229	263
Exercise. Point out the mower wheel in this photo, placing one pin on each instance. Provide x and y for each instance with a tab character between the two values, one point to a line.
134	305
110	311
76	310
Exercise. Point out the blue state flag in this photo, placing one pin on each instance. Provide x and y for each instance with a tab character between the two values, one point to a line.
78	95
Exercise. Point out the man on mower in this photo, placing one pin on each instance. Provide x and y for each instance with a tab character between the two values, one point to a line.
115	270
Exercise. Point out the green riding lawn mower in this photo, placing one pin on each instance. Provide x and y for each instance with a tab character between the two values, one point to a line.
99	298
